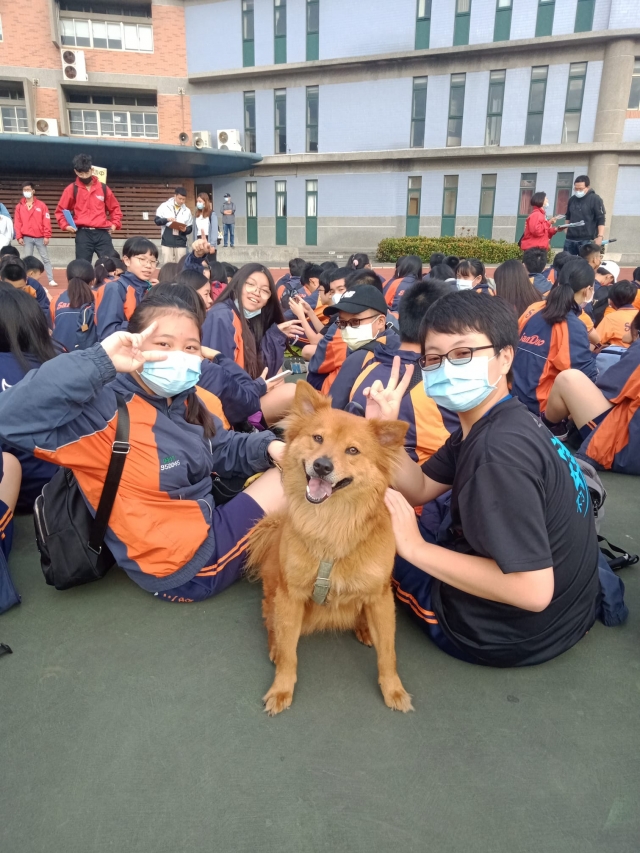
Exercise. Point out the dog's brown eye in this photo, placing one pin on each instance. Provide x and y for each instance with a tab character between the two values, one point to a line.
318	438
352	450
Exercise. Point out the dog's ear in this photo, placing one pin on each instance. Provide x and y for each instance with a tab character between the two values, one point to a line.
390	434
307	400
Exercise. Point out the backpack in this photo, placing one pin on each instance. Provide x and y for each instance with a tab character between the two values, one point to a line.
69	538
87	334
75	191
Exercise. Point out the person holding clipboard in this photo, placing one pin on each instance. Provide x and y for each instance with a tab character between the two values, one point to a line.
538	230
176	222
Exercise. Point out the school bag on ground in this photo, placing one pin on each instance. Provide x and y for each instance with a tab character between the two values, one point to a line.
69	538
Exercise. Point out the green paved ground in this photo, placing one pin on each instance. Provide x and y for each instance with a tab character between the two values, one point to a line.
133	726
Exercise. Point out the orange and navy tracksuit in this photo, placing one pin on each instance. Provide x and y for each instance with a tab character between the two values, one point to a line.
529	312
74	328
222	331
612	441
327	360
164	530
427	430
288	287
313	301
116	303
394	289
238	393
613	325
544	351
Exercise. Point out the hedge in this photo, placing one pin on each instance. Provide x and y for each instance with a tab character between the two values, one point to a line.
489	251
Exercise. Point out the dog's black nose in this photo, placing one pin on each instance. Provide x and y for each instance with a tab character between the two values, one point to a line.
323	466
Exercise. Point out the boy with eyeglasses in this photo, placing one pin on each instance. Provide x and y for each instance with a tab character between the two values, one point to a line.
516	582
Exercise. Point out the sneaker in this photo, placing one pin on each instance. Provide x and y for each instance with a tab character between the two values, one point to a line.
53	283
559	430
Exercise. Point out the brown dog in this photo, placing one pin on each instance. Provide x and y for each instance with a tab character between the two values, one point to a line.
326	562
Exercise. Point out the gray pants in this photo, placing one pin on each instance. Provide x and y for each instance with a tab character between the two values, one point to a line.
33	243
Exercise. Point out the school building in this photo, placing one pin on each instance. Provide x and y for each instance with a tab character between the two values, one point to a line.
378	118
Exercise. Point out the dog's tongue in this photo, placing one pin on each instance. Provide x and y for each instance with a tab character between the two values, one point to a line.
319	489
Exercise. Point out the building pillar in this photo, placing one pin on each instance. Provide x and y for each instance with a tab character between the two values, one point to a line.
617	69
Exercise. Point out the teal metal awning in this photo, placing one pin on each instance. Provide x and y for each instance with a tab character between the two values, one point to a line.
45	154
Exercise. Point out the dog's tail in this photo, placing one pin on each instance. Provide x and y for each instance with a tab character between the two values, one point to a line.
263	543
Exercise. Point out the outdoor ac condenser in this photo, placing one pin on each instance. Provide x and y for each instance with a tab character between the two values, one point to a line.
202	139
229	140
73	65
47	127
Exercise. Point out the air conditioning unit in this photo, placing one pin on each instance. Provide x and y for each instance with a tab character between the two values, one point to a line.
229	140
202	139
73	65
47	127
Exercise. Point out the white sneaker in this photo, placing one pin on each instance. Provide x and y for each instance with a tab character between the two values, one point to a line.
53	283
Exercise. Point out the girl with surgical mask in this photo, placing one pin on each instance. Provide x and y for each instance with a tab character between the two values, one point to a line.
165	530
470	275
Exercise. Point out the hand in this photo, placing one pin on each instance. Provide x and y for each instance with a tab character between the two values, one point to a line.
21	241
276	451
274	382
291	329
296	308
405	525
71	228
46	241
210	354
598	240
125	350
553	220
384	403
112	228
200	248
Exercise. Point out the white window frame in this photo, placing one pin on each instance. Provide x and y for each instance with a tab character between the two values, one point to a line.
93	108
24	118
107	22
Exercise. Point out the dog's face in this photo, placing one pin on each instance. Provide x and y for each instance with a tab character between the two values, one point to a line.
334	456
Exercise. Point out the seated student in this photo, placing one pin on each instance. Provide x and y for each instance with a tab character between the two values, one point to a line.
606	276
25	343
517	581
429	427
34	266
535	260
10	476
121	298
230	270
288	286
436	258
613	326
442	272
359	261
592	254
451	261
170	271
408	272
164	530
514	285
198	282
16	274
310	312
362	321
73	310
470	275
554	339
559	260
607	414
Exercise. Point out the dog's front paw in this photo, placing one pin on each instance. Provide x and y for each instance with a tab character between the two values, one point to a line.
396	697
363	634
276	701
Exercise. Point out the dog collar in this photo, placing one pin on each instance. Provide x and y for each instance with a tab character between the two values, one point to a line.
323	584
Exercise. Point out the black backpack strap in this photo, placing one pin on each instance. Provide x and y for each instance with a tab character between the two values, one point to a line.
119	450
623	559
75	191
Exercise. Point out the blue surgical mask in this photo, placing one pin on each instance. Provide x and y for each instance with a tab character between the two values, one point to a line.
579	194
179	372
248	314
200	205
461	387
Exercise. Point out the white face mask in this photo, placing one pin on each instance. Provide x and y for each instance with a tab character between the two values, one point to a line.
546	205
27	194
464	283
579	193
356	338
200	205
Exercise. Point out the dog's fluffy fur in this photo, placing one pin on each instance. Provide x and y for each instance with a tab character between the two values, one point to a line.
355	458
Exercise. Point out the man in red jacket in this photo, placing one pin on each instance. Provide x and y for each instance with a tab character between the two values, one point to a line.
89	201
32	224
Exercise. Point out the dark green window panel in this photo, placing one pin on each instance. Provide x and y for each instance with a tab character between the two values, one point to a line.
584	16
544	21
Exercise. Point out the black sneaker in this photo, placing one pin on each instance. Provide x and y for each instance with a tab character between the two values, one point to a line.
559	430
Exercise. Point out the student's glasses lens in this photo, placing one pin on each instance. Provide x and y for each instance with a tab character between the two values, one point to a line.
460	356
431	362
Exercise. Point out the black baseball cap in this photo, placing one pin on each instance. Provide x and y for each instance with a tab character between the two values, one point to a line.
359	299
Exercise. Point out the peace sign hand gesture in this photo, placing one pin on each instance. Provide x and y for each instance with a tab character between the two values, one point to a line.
125	350
384	403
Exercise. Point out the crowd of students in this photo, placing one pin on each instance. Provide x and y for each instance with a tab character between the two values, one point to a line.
491	375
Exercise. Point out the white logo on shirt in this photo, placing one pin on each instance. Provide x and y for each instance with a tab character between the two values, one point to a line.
5	385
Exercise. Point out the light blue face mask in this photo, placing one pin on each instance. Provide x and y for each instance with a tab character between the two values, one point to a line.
248	314
461	387
178	373
579	193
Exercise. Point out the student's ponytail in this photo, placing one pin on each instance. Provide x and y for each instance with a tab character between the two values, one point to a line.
574	276
105	267
80	278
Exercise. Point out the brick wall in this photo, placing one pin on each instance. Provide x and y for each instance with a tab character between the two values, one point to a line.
46	103
171	109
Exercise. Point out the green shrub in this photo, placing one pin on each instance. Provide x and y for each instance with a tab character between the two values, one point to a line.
489	251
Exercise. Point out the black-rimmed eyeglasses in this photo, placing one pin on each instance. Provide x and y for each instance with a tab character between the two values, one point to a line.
457	356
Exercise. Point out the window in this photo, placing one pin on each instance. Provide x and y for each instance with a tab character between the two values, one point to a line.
311	223
252	213
94	118
312	119
250	121
527	189
575	94
313	29
106	35
584	16
418	111
535	112
280	103
456	109
487	201
463	17
248	52
494	108
423	24
13	111
281	213
544	21
634	94
449	206
414	193
502	26
280	31
564	189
